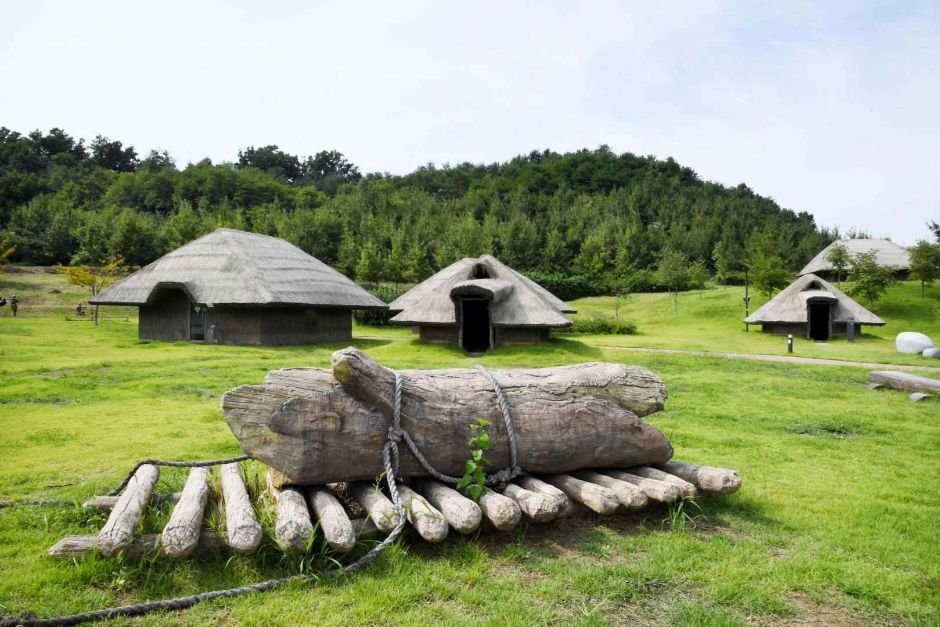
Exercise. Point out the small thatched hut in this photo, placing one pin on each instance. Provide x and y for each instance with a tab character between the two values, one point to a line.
233	287
812	307
478	303
887	253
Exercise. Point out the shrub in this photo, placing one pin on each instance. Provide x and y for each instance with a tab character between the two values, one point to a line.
569	287
386	292
601	325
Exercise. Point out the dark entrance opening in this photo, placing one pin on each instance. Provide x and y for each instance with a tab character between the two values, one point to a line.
475	324
819	321
197	323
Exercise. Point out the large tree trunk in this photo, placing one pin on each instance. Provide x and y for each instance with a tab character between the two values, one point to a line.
315	426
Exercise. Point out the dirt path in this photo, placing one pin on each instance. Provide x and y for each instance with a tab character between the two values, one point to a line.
784	358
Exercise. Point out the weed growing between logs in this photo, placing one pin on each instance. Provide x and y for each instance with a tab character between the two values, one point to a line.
473	481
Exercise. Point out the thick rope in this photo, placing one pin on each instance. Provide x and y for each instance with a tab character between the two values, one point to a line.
390	459
496	480
123	484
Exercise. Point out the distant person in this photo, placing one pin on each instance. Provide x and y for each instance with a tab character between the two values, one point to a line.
14	304
80	309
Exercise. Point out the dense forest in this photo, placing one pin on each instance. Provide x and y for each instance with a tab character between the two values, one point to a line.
592	213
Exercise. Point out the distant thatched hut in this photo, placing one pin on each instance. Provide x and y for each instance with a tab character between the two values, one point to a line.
812	307
233	287
478	303
887	254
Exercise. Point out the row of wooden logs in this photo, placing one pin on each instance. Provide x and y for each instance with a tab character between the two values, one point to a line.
431	507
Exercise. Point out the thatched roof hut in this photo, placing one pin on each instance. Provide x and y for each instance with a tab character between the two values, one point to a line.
235	287
888	254
812	307
478	303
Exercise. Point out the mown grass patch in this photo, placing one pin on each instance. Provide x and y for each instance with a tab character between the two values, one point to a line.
828	526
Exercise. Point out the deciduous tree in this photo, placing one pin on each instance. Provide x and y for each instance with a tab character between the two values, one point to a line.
839	258
925	263
870	280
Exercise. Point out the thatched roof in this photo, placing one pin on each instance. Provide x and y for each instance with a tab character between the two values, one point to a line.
889	254
515	301
229	267
790	304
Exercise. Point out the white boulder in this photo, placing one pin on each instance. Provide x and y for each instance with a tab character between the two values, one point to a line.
910	342
931	352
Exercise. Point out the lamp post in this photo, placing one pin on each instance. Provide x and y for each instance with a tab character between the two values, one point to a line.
789	343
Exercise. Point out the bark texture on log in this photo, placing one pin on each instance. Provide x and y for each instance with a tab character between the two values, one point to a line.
596	498
707	478
501	511
538	507
380	508
118	532
658	491
685	488
293	527
241	525
315	426
181	533
460	512
547	490
630	496
904	381
334	521
427	521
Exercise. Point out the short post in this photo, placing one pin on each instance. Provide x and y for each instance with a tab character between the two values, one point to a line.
747	299
850	328
789	343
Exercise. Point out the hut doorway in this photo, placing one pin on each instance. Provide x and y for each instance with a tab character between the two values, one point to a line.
197	323
475	335
819	317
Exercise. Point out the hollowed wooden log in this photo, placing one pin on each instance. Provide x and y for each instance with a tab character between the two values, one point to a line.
317	426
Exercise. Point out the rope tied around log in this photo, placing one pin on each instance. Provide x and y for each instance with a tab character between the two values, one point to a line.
496	480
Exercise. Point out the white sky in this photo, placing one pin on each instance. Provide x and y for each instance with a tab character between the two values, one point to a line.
831	109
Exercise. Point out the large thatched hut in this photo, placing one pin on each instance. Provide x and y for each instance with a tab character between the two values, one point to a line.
233	287
887	254
811	307
478	303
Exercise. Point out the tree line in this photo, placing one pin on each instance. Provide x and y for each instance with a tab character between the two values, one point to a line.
592	216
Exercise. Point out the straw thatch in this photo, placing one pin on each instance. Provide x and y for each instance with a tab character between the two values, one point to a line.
790	305
234	268
888	253
514	300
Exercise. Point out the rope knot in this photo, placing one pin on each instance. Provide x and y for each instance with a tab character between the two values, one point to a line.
499	479
396	434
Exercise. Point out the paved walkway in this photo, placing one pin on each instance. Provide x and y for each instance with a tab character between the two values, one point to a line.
816	361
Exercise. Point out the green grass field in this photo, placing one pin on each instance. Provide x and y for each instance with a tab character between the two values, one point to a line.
836	522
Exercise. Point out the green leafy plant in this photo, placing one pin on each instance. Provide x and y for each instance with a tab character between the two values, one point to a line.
473	481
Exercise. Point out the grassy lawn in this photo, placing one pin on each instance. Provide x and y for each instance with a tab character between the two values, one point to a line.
712	321
836	521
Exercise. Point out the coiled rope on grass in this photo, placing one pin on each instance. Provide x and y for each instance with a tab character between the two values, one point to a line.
390	458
